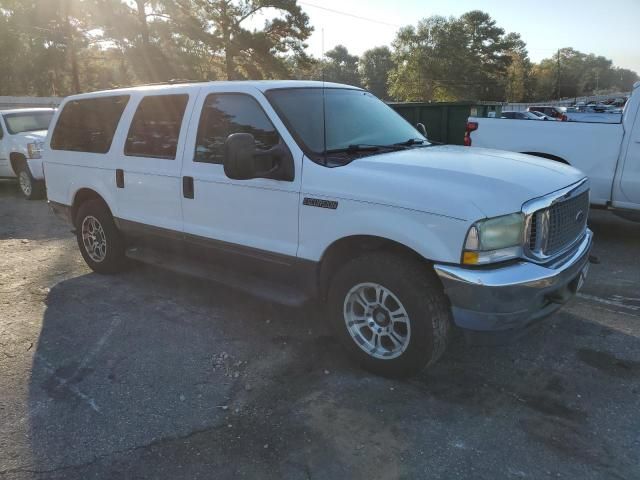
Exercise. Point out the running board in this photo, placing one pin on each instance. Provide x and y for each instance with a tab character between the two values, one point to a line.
264	288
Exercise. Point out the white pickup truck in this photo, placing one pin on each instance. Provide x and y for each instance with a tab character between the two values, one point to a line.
22	134
298	190
609	153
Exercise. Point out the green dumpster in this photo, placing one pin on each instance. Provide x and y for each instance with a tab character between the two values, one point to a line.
445	121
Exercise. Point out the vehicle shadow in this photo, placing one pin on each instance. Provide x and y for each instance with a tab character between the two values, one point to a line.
150	374
616	248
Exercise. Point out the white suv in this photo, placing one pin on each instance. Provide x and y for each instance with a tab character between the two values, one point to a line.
22	132
298	190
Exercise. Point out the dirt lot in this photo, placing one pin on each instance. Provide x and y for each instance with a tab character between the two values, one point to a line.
152	375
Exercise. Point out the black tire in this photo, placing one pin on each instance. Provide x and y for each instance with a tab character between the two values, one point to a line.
30	188
420	294
113	257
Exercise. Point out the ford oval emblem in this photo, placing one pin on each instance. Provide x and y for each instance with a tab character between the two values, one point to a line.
579	216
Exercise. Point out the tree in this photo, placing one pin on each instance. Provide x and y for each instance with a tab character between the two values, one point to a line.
58	47
223	28
519	81
340	66
430	61
375	65
45	37
452	58
571	73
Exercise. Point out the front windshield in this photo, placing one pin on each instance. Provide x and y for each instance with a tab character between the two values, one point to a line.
27	121
352	117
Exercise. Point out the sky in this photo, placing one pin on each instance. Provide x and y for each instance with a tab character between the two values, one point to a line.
608	28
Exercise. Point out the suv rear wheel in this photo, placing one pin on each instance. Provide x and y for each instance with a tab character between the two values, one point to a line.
31	188
391	313
101	243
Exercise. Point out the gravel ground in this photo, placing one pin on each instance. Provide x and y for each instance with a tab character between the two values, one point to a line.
152	375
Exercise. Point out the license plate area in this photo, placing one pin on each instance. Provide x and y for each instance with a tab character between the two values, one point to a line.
582	277
566	293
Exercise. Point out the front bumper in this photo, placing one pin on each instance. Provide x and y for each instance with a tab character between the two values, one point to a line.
513	296
35	167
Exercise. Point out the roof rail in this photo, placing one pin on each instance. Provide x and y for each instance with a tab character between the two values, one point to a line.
173	81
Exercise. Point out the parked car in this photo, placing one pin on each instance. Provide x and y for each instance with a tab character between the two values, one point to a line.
609	153
541	116
398	238
22	132
520	116
551	111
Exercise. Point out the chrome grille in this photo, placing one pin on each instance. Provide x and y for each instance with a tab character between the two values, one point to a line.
533	233
567	221
558	225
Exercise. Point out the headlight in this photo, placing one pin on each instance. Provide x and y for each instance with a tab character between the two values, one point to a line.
35	149
494	240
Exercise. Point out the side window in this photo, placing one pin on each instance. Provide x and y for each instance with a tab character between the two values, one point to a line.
155	127
88	125
227	113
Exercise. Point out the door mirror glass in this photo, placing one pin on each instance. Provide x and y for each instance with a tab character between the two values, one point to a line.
239	155
422	129
243	161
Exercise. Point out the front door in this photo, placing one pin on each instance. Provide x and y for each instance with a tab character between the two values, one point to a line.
253	219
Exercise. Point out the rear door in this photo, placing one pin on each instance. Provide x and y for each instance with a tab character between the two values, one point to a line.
148	182
257	218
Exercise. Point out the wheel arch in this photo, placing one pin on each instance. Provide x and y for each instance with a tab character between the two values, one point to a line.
548	156
350	247
17	161
82	196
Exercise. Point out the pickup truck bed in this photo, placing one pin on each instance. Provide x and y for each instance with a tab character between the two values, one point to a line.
591	147
609	153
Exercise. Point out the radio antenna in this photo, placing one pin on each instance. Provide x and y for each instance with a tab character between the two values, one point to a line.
324	114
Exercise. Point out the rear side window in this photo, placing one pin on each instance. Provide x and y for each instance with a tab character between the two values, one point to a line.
88	125
155	128
224	114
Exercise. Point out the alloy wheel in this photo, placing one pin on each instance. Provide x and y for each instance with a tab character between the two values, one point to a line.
94	239
377	321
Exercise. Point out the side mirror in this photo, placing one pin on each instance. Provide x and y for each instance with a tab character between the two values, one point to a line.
422	129
239	156
242	161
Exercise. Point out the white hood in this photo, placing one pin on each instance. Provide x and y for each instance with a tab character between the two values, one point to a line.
29	137
458	182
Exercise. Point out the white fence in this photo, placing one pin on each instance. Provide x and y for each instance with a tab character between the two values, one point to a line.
7	103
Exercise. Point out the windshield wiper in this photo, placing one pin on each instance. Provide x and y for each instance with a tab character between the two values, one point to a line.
355	148
410	142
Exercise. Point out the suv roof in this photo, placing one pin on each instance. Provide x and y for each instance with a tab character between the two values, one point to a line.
261	85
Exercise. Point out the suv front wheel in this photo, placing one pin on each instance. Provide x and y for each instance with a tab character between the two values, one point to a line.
391	313
101	243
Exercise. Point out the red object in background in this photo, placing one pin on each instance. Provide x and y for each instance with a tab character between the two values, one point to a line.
471	127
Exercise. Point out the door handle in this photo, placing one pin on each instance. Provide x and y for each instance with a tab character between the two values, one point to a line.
119	178
187	187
